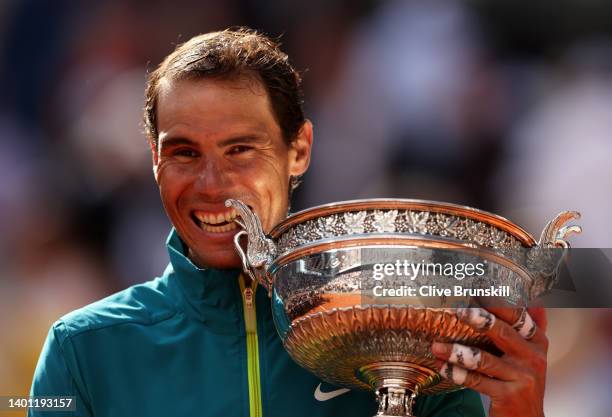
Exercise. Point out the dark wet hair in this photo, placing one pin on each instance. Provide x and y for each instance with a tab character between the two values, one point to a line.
231	54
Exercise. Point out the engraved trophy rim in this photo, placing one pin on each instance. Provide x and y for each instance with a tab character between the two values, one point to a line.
432	206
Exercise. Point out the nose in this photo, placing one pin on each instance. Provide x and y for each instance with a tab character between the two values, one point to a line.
213	179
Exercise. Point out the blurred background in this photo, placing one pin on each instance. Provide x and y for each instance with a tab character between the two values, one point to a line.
505	106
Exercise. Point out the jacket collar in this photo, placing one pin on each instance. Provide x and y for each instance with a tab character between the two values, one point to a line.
209	292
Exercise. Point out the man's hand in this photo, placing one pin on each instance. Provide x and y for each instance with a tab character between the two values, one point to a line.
515	381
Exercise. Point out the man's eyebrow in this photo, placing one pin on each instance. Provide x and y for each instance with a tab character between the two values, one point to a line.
178	141
237	140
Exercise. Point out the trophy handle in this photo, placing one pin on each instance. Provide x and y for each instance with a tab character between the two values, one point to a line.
545	258
554	233
260	249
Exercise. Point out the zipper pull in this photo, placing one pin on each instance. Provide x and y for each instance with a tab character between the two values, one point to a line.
248	296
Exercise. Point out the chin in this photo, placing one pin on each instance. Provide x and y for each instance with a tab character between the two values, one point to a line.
226	265
220	260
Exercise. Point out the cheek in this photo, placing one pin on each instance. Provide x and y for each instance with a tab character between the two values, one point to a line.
266	178
274	189
172	181
264	172
272	178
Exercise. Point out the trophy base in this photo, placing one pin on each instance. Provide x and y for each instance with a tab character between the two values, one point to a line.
396	385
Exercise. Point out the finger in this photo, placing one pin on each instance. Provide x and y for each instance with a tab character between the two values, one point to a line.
475	360
507	314
528	329
500	308
512	315
539	316
521	321
500	332
474	380
525	326
478	318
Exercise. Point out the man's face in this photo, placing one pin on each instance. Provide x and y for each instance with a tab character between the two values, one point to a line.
218	139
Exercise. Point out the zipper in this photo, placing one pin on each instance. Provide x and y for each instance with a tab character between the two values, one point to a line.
250	324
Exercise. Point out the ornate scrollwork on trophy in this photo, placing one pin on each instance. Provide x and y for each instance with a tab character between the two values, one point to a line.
260	250
396	221
543	259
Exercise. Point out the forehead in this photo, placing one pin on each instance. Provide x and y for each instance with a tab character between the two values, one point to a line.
214	105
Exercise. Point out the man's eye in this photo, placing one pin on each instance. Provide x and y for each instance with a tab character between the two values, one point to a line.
186	153
239	149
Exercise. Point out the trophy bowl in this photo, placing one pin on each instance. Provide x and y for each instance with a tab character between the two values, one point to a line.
324	269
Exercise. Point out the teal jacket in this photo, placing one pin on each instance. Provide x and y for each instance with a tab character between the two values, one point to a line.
187	344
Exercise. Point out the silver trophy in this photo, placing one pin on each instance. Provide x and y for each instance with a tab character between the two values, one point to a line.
320	269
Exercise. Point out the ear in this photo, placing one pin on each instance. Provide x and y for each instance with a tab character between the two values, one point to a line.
154	157
300	149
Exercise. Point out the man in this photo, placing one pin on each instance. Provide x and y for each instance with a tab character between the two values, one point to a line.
224	120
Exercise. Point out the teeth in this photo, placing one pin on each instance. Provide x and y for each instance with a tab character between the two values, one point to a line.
202	217
218	229
210	219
